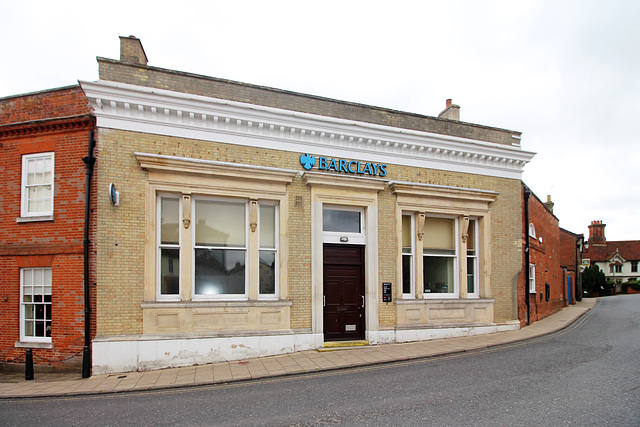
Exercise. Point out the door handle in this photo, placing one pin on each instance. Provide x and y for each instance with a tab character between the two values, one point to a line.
362	301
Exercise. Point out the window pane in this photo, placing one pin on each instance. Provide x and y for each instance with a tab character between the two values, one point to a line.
438	274
220	223
471	275
169	271
38	276
267	226
169	221
28	311
28	328
406	232
406	274
267	272
471	239
341	221
219	271
439	233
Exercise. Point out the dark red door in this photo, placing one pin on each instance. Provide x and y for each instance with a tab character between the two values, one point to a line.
343	292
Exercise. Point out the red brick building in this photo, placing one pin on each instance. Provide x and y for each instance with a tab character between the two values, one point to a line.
44	158
541	287
570	261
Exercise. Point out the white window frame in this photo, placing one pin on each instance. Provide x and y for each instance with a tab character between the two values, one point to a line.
246	249
532	230
24	304
24	205
411	256
476	258
160	246
340	236
532	278
276	293
455	256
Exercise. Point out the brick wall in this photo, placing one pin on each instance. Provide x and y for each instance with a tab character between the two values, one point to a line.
121	229
57	121
545	254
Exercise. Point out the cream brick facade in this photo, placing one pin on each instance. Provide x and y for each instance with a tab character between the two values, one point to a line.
167	132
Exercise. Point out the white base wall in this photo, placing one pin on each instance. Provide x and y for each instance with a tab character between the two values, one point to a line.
142	353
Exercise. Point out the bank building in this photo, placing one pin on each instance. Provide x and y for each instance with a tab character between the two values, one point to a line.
244	221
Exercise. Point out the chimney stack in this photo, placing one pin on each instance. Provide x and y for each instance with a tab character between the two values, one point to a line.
549	204
596	233
131	50
451	112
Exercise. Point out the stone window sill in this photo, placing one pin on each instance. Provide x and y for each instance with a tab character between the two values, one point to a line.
34	218
24	344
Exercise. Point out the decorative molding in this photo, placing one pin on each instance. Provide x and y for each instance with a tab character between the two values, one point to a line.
141	109
59	124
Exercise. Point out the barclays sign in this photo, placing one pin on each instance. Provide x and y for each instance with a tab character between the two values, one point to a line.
341	165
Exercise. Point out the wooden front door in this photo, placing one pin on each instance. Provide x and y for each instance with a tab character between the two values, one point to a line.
343	292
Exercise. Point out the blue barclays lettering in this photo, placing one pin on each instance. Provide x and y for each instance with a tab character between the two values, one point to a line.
367	168
341	165
322	163
352	162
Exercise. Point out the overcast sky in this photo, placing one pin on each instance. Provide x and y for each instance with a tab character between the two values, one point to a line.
565	73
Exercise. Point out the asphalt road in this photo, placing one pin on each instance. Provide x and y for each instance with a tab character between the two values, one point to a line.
586	375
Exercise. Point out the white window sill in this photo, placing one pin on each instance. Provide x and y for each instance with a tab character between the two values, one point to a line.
214	303
25	344
34	218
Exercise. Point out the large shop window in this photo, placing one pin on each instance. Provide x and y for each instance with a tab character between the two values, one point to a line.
35	296
440	256
221	249
37	185
440	239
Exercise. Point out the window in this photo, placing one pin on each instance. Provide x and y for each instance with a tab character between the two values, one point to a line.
532	278
532	230
35	296
218	244
343	224
618	268
472	259
634	266
169	247
610	268
408	232
37	185
268	225
220	247
440	256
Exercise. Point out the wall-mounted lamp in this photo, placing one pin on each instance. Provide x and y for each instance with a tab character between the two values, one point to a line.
114	195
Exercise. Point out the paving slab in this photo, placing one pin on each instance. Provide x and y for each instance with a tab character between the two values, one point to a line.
58	384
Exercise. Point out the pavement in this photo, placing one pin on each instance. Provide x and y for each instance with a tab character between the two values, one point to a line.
65	384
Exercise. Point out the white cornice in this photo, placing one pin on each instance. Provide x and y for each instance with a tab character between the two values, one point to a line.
148	110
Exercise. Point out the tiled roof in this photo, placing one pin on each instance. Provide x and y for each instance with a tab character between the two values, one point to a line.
628	249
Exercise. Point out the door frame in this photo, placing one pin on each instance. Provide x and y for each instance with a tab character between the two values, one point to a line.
358	193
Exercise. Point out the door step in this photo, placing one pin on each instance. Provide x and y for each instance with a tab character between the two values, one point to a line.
343	345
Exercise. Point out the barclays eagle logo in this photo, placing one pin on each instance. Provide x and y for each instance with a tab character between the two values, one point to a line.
307	161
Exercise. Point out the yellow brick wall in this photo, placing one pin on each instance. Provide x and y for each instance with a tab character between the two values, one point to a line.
120	238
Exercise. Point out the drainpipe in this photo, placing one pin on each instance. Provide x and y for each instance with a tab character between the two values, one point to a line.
527	195
89	162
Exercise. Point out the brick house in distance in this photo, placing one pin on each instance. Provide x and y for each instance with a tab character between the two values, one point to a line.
44	144
618	260
541	289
